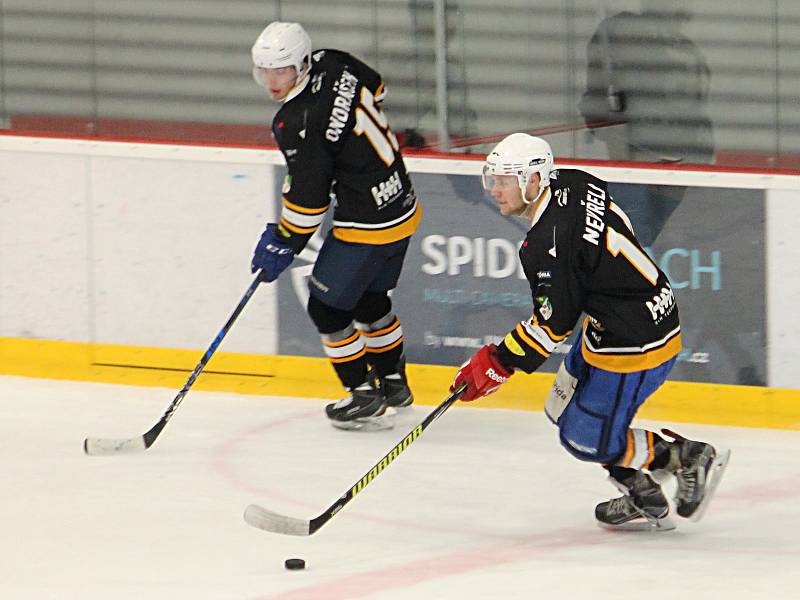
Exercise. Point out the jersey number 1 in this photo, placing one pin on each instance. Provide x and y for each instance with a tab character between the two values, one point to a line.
618	243
370	121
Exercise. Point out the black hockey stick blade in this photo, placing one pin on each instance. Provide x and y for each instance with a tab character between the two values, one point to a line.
108	446
268	520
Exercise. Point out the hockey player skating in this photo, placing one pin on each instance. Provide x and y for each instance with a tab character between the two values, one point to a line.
581	255
340	150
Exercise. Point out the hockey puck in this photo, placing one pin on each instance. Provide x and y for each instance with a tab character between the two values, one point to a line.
294	564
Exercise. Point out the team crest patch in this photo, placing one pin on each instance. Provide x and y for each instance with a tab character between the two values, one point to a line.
545	308
287	184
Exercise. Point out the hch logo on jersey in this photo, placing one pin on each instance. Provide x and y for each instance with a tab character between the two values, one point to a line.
595	209
662	305
387	191
345	89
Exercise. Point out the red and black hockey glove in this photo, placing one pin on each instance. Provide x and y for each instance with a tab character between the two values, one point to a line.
482	373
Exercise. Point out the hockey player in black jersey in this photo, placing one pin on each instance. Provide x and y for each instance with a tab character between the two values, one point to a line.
340	151
581	256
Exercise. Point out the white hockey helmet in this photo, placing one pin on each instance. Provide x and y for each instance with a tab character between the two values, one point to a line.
522	155
281	45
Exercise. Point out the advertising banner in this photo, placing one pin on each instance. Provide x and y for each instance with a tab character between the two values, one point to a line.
710	243
462	284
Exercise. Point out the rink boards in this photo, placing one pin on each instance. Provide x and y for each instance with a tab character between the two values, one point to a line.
120	262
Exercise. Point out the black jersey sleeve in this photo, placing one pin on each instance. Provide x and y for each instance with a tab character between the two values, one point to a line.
555	311
305	194
549	261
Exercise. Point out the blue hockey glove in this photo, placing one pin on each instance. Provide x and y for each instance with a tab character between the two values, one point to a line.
272	254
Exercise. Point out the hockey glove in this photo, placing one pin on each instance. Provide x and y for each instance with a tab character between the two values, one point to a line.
482	373
272	254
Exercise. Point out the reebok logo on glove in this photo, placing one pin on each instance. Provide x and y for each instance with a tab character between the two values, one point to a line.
494	376
483	374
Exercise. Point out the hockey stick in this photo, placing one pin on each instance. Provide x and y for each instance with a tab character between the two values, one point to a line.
104	446
271	521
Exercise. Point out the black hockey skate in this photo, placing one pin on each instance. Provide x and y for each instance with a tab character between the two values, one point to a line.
394	387
698	468
364	409
643	507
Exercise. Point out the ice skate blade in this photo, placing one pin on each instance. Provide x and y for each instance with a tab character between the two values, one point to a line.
656	525
381	423
713	478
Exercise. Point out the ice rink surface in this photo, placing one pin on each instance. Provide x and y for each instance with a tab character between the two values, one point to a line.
485	504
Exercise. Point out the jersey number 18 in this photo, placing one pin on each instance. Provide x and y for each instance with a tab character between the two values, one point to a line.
371	122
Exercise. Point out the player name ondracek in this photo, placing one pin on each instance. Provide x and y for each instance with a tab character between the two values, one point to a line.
345	90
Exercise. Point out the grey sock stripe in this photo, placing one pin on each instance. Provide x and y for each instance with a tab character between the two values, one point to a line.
338	336
381	323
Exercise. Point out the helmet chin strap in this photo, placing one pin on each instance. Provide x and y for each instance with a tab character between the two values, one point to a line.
299	82
523	186
526	210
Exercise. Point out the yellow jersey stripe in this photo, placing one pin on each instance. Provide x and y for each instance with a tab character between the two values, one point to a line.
380	236
530	341
303	209
550	333
295	229
629	363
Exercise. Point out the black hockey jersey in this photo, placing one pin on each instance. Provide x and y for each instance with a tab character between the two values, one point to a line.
339	148
581	255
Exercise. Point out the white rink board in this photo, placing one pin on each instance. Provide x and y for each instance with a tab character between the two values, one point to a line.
44	273
783	281
185	219
188	229
77	246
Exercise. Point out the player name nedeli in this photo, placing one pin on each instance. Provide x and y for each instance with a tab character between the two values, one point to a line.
386	460
595	208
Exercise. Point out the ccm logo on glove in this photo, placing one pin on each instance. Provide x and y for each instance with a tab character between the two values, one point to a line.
272	254
278	249
483	374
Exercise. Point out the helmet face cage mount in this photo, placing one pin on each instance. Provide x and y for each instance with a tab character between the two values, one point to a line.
523	156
